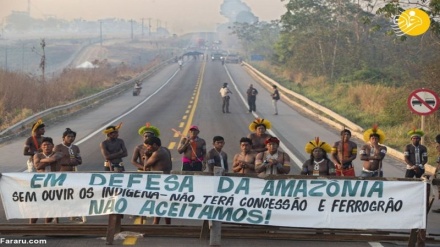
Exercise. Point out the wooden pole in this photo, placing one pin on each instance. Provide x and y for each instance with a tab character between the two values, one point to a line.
422	128
215	238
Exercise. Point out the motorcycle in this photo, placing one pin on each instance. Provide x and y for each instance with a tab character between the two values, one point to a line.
137	90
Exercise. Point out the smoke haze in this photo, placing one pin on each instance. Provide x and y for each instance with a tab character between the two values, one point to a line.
179	16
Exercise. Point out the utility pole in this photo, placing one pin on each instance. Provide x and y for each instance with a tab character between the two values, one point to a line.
43	58
142	27
6	58
131	29
100	31
22	57
149	26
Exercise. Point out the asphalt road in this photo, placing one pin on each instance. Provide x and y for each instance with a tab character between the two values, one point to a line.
176	99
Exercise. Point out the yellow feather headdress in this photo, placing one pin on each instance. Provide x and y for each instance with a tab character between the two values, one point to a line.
374	130
317	144
112	128
259	121
37	125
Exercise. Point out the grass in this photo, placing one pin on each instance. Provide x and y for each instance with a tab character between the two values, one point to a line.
22	96
364	104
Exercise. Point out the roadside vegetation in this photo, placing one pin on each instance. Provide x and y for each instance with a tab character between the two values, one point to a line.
22	96
351	61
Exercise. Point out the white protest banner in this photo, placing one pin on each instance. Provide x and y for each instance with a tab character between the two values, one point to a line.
312	203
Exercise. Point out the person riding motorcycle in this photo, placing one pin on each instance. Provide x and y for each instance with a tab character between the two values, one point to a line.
137	88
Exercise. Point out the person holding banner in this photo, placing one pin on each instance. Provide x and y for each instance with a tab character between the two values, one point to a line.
272	161
33	143
343	154
46	161
373	153
160	160
193	149
140	153
244	162
258	136
70	153
113	149
319	164
416	155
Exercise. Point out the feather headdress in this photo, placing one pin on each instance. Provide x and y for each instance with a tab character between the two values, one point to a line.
112	128
149	128
259	121
374	130
311	145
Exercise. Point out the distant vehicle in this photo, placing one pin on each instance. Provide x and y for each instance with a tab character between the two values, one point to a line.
233	58
429	101
216	56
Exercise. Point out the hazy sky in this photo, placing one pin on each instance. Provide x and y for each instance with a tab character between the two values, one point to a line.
179	16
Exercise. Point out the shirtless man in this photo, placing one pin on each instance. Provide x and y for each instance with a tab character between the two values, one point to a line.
272	161
160	160
244	162
259	135
344	152
70	153
32	144
372	154
113	149
193	149
140	153
45	161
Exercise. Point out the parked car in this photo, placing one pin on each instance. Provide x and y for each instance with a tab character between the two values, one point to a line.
233	58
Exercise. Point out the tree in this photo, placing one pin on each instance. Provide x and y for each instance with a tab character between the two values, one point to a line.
315	35
258	37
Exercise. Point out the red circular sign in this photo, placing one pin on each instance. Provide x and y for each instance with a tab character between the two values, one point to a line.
423	101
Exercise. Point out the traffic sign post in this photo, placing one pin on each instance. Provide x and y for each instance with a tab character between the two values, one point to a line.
423	102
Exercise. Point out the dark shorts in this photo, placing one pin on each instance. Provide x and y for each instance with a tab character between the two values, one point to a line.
115	168
194	166
412	173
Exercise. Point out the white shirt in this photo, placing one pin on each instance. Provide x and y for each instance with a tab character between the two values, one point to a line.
224	91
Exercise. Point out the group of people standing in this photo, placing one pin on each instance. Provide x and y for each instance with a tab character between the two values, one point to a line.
343	152
251	93
45	156
372	153
259	153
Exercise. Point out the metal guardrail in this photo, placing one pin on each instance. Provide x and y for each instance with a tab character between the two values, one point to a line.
338	122
19	127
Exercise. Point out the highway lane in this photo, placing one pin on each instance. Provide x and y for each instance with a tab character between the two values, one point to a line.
169	99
